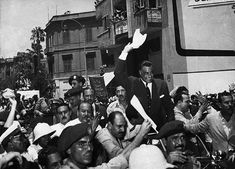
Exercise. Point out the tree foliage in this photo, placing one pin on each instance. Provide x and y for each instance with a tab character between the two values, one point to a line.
29	73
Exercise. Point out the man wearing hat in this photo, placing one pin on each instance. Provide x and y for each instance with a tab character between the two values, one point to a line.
76	81
42	133
74	97
14	140
77	143
177	154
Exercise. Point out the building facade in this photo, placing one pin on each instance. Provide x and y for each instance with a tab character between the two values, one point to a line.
190	42
72	48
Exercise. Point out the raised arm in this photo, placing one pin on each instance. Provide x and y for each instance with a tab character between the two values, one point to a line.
11	115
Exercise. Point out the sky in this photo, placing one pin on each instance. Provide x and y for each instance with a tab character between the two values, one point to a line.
19	17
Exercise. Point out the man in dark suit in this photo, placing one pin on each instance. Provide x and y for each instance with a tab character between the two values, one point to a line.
153	94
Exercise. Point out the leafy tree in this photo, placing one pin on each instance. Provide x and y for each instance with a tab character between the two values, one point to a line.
23	67
29	73
38	36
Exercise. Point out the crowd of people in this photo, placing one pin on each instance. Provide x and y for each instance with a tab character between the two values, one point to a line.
80	132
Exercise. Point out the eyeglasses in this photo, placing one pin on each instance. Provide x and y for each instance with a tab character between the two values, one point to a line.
84	144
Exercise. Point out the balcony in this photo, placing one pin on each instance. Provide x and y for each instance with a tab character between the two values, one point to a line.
121	31
148	19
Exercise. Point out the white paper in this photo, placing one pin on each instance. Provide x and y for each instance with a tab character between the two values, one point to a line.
138	39
108	77
137	105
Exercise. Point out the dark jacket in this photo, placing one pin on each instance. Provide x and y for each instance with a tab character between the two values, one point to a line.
161	104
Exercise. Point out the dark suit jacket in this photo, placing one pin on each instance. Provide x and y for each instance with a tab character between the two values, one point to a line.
161	108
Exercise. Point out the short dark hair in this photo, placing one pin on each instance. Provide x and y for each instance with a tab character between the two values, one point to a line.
87	88
178	97
145	63
44	153
63	104
112	116
182	89
224	93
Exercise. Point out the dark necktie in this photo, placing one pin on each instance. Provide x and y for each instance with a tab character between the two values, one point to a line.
148	97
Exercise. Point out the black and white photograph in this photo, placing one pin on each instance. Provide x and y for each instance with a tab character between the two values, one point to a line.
117	84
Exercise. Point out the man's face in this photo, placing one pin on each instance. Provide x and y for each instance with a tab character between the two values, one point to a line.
54	161
49	93
121	93
43	141
81	151
20	143
146	74
176	142
227	104
84	112
89	96
75	84
74	100
184	103
118	128
63	114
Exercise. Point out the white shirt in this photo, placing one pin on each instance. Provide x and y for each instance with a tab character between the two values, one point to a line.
149	86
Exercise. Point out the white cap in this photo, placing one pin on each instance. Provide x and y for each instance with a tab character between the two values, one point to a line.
148	157
42	129
8	93
15	125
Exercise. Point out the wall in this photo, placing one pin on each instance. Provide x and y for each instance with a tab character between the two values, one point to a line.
207	28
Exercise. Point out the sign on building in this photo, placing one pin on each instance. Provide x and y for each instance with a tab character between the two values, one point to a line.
98	85
204	3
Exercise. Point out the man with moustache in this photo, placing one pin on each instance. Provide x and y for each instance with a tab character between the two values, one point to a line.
85	114
63	116
175	141
116	136
120	103
77	142
63	113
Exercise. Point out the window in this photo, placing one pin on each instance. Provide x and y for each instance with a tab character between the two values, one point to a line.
88	34
66	35
141	3
105	22
67	60
155	3
90	61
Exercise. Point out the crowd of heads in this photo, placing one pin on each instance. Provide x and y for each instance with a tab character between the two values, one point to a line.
34	119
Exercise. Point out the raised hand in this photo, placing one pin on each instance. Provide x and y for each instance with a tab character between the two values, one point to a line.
200	97
127	48
145	127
